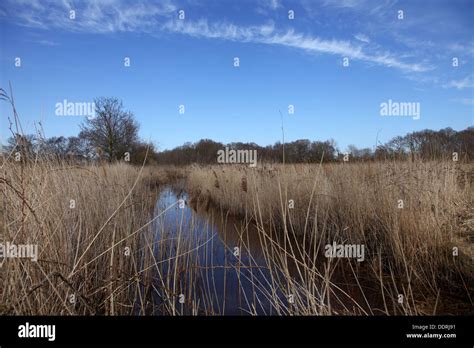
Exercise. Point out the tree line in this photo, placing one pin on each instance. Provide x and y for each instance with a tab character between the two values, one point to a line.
425	145
112	135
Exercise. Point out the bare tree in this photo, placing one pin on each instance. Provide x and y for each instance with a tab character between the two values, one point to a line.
113	129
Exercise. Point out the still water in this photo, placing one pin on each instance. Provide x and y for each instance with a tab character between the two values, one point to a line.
213	263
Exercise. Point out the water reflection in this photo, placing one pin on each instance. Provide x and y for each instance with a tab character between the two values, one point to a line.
214	263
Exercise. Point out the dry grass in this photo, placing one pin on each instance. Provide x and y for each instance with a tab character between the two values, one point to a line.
83	250
90	251
410	249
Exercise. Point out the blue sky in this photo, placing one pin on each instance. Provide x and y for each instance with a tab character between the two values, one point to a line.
190	61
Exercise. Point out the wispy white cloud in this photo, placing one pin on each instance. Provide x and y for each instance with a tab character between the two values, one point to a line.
467	82
110	16
367	6
273	4
267	34
267	7
47	42
362	37
345	3
90	16
465	101
460	48
218	30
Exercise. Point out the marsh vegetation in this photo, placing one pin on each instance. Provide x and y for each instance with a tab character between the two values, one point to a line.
126	247
118	237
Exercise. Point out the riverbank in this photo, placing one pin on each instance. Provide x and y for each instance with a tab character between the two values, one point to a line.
414	219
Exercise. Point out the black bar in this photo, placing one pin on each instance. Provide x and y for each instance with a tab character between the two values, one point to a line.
241	330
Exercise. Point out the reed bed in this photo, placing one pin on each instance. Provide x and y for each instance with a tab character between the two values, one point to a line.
105	250
415	220
88	223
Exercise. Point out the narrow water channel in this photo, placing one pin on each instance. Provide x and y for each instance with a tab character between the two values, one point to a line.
213	263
